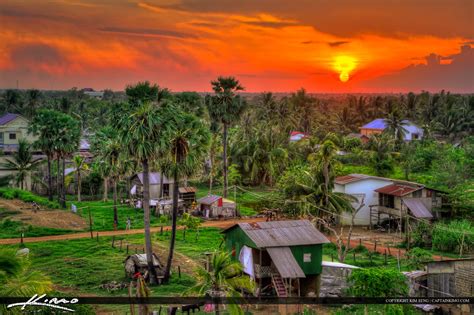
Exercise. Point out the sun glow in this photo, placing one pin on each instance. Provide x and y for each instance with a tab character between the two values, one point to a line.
344	65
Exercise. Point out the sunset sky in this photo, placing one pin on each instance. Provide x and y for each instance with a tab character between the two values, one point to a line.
328	46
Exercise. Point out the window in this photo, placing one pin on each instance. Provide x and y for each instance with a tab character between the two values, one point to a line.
12	136
307	257
386	201
415	136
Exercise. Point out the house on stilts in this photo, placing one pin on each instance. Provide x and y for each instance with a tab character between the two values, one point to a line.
283	257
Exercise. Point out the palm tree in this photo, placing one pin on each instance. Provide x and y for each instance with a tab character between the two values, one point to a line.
18	278
80	167
110	154
225	107
188	139
22	162
381	147
325	159
44	125
140	131
224	279
395	127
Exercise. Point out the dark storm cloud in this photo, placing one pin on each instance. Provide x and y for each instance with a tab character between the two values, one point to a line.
146	32
434	75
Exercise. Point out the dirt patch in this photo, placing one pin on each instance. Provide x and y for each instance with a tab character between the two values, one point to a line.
57	219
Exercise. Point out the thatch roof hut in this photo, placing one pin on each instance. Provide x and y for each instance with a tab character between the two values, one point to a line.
137	263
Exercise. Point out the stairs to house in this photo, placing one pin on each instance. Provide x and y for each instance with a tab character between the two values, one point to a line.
279	285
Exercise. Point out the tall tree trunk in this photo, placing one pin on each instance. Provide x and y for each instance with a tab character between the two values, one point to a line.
58	180
58	187
63	185
146	209
173	224
50	180
106	189
78	185
224	158
115	204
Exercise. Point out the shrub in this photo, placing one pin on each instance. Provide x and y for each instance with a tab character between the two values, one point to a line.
422	235
450	237
417	257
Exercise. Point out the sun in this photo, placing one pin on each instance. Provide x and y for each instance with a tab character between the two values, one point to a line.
344	65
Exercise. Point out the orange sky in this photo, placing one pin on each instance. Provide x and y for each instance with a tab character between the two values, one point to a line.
275	45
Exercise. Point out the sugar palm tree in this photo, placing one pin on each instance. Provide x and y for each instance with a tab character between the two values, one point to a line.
22	162
225	107
140	131
224	279
187	139
110	153
80	167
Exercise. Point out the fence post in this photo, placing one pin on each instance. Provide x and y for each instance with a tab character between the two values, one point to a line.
121	244
375	246
127	249
21	238
97	237
113	241
385	257
179	272
354	256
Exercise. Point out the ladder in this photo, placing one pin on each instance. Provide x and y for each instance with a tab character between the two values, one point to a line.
279	285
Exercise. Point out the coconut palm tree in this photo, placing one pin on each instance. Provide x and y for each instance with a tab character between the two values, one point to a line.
18	278
22	162
188	139
224	279
225	107
140	131
395	127
80	167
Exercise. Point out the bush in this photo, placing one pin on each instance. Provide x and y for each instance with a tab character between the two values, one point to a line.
422	235
417	257
449	237
26	196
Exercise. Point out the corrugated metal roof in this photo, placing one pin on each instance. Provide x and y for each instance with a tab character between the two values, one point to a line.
398	190
342	180
5	119
418	208
282	233
155	178
285	262
378	123
184	190
209	199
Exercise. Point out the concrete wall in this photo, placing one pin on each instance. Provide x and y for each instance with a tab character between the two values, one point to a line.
19	127
358	189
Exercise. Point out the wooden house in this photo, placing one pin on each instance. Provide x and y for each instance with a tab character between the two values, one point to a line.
377	126
283	257
155	183
214	206
386	198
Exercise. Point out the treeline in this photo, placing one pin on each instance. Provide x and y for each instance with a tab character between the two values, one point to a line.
254	132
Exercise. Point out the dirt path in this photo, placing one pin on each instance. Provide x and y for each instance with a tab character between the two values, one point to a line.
380	248
18	210
217	224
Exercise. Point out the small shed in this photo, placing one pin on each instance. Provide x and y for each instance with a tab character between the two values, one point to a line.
213	206
188	195
283	255
138	263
